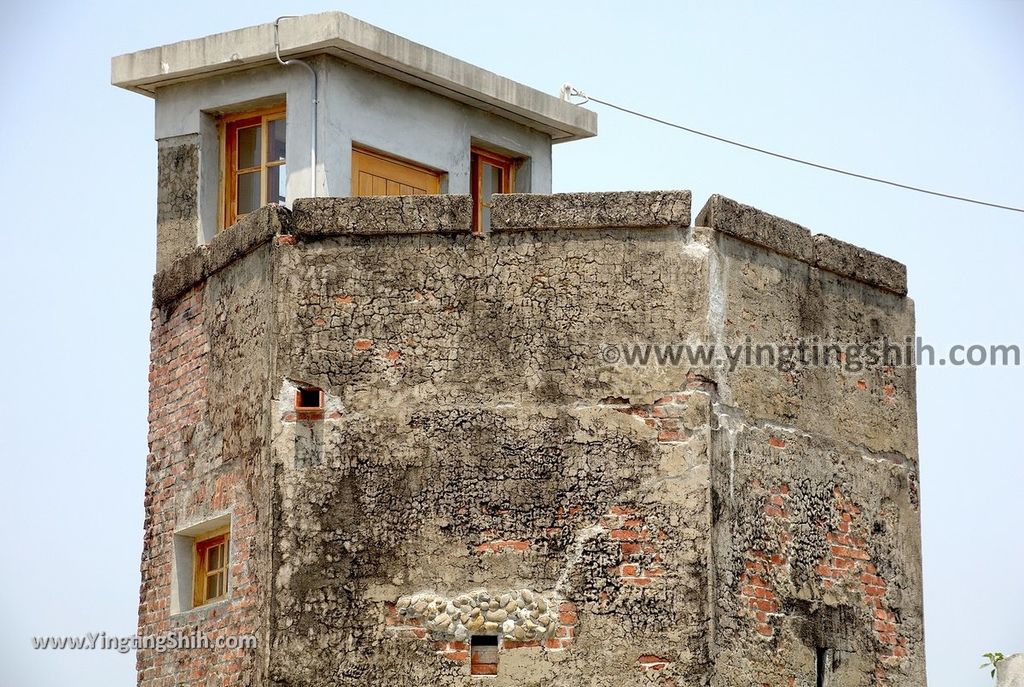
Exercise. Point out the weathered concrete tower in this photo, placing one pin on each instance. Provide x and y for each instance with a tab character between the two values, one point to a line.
402	434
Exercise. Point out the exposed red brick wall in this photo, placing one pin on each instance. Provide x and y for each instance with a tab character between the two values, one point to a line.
499	545
653	667
404	628
757	594
640	560
184	481
848	569
666	414
566	632
850	564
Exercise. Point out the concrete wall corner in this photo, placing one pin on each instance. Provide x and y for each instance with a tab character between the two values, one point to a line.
756	226
195	266
791	239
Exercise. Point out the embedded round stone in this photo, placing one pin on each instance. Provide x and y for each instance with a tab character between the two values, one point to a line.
498	616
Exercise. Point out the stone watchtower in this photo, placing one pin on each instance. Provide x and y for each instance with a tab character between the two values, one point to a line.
403	431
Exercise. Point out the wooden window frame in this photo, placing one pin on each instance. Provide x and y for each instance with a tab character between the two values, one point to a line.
200	571
436	176
507	165
228	132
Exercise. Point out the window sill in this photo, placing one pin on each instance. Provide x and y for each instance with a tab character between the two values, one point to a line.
200	612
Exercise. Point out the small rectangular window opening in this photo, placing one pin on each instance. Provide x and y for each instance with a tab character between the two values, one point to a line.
483	655
820	666
309	398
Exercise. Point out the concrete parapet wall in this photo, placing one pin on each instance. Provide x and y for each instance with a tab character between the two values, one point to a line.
314	218
624	209
317	218
196	265
788	238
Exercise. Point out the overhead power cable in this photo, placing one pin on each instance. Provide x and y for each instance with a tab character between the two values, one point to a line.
569	91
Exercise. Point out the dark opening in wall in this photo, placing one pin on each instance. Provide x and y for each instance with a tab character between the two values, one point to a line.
309	398
484	655
820	667
309	403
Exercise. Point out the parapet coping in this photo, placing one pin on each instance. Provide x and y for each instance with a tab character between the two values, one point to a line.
315	218
320	218
616	209
788	238
245	236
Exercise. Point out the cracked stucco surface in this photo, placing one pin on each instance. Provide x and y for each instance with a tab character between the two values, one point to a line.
474	438
471	387
476	409
177	199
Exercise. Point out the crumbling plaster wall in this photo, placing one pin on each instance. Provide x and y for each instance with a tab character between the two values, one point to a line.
474	439
814	483
686	526
177	198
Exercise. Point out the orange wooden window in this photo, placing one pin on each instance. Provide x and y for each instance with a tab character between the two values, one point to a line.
211	569
483	658
377	174
253	152
490	173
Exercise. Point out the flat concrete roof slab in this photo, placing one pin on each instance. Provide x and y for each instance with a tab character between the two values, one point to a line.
347	38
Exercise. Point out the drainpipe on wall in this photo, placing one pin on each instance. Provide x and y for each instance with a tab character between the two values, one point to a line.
312	72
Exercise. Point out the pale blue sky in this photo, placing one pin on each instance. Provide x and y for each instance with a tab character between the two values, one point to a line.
929	94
